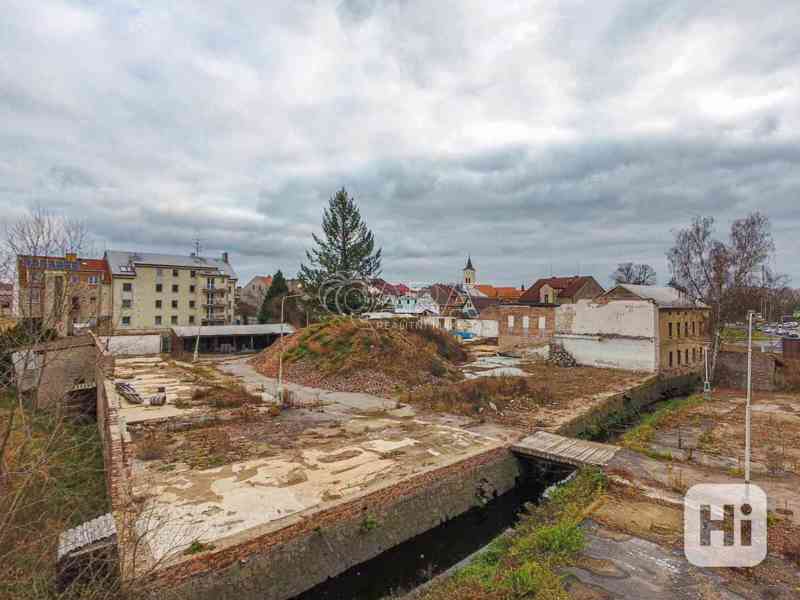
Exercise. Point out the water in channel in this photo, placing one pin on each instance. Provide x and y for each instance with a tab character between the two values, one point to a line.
412	563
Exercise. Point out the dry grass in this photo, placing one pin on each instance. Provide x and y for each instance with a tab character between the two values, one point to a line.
352	355
473	397
225	397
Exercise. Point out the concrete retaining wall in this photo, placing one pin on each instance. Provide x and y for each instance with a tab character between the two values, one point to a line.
127	345
658	387
287	562
731	370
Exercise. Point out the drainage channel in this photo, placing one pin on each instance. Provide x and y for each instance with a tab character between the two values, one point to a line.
405	567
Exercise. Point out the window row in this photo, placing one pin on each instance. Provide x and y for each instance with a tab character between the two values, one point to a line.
128	303
678	358
126	321
526	322
675	329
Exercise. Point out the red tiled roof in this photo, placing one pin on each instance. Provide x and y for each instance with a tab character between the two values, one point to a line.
566	286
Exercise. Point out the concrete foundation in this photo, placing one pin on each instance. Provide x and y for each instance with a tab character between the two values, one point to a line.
309	552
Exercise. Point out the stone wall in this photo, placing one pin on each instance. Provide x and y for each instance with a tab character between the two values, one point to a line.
731	370
282	564
61	369
655	388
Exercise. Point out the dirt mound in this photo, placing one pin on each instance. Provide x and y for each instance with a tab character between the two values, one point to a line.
358	356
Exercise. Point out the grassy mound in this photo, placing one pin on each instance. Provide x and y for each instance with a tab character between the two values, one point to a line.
351	355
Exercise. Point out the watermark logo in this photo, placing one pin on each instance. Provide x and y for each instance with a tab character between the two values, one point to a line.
347	294
725	525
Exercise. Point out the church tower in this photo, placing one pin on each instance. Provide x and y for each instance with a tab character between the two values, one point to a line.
469	272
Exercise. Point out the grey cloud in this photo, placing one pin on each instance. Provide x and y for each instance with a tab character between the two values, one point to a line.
542	136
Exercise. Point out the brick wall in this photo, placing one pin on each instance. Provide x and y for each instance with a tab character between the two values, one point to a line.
512	320
61	369
284	563
731	370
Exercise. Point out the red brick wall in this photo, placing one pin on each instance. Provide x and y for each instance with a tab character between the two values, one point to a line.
517	335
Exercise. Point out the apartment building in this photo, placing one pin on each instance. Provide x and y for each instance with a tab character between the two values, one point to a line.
159	291
59	292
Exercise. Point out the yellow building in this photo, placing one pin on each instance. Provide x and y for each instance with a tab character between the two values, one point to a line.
683	324
61	292
159	291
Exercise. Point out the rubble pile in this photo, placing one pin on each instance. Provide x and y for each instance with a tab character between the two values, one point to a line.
560	357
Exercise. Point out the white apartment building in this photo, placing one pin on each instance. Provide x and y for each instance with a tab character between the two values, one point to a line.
154	291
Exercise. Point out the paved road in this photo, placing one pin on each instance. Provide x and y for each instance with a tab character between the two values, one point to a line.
267	387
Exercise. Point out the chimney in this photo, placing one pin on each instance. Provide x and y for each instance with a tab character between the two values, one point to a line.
225	257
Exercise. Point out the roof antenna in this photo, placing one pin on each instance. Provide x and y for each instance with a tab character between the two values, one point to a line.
197	247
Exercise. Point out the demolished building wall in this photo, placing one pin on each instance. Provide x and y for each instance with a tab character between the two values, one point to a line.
619	334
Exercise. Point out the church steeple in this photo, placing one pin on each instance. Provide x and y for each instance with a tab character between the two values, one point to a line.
469	272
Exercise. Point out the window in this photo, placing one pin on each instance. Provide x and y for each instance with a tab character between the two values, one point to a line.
173	319
526	322
159	272
158	303
126	303
127	287
158	320
174	304
93	299
679	356
174	272
92	279
686	329
670	330
542	323
159	288
694	355
192	274
174	287
192	289
126	320
686	356
191	303
694	328
191	319
670	359
511	321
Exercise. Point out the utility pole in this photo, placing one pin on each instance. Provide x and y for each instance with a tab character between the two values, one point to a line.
750	315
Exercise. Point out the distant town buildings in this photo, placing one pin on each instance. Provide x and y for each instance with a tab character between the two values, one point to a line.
256	290
562	290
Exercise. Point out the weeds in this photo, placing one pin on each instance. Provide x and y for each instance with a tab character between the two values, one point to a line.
525	563
196	547
639	438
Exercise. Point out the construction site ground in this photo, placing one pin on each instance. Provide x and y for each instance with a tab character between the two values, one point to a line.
634	550
218	472
218	475
635	535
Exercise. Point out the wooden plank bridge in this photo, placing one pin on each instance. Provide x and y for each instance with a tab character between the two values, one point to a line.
560	449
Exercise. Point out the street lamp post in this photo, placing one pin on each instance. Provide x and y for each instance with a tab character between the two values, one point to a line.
750	315
280	352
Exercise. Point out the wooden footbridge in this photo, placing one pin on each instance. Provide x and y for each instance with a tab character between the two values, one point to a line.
560	449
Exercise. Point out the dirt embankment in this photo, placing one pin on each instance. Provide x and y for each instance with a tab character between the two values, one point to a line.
357	356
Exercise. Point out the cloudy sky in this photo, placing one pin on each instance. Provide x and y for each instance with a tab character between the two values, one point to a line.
538	136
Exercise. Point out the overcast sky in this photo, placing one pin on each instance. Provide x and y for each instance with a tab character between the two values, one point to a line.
536	136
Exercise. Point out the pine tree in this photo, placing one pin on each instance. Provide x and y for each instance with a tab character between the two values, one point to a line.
347	250
277	288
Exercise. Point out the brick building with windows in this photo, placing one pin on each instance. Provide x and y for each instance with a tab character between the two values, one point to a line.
60	292
682	329
562	290
522	325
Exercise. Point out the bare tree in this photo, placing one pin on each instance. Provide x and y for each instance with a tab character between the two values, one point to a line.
721	272
633	273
